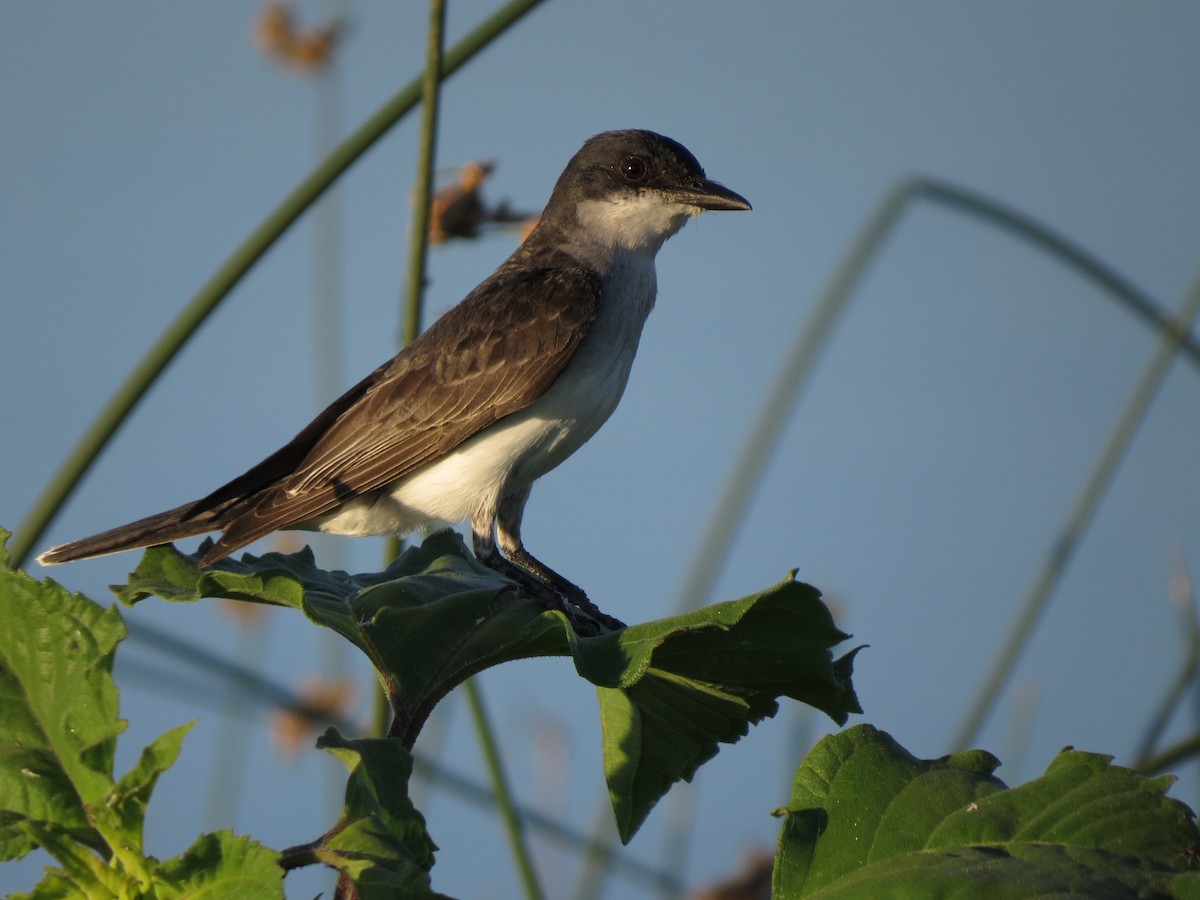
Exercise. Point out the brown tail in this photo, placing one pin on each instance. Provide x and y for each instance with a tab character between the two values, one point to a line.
172	525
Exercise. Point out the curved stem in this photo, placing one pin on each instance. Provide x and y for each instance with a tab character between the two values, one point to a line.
816	332
1166	760
790	383
414	294
262	690
1079	518
418	248
504	799
1058	247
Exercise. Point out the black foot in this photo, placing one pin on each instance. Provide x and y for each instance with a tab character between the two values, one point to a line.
585	617
579	600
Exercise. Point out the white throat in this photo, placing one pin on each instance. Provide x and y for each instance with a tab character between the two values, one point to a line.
640	223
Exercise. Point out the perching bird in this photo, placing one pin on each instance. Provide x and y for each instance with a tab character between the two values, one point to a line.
493	395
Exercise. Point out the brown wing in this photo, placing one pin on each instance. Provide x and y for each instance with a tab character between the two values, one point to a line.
490	356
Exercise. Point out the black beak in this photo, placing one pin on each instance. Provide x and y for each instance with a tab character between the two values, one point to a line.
709	195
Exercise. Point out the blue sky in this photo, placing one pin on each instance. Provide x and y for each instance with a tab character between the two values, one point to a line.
919	482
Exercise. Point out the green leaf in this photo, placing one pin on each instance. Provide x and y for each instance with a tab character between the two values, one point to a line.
867	819
693	681
277	579
82	873
221	865
58	731
58	708
661	730
128	802
58	885
436	616
428	622
380	840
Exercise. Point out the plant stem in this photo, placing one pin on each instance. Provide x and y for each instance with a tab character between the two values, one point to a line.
1166	760
797	369
793	377
135	386
810	342
1022	226
418	249
1179	688
504	800
268	693
1080	516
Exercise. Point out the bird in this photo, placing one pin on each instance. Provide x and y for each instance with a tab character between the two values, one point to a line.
494	394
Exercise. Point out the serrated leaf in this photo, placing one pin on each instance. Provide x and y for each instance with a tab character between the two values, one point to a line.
58	885
661	730
128	801
1024	871
428	622
58	730
380	840
437	616
221	865
58	707
277	579
82	869
691	682
867	819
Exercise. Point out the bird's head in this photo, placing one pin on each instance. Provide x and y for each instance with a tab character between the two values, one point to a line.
633	189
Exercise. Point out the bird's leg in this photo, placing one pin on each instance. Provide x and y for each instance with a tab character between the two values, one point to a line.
508	533
483	541
514	561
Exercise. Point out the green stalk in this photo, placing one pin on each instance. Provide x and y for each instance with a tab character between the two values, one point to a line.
270	694
418	249
1169	760
798	366
1175	695
764	434
1189	625
504	799
596	863
1019	225
789	384
123	402
1080	515
797	369
414	294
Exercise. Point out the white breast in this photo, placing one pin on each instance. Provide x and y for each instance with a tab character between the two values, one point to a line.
524	446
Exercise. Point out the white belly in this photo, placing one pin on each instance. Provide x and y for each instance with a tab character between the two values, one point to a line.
522	447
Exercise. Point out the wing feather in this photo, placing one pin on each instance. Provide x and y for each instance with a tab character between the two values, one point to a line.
490	356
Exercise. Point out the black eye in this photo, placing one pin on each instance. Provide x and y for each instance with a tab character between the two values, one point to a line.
633	168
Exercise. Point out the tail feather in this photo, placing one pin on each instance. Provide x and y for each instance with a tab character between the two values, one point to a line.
172	525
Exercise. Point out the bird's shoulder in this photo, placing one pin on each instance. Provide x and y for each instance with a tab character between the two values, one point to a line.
546	296
494	353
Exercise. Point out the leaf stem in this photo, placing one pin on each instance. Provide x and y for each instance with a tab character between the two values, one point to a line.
301	855
264	691
1171	757
1176	692
1080	515
418	248
816	333
504	799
